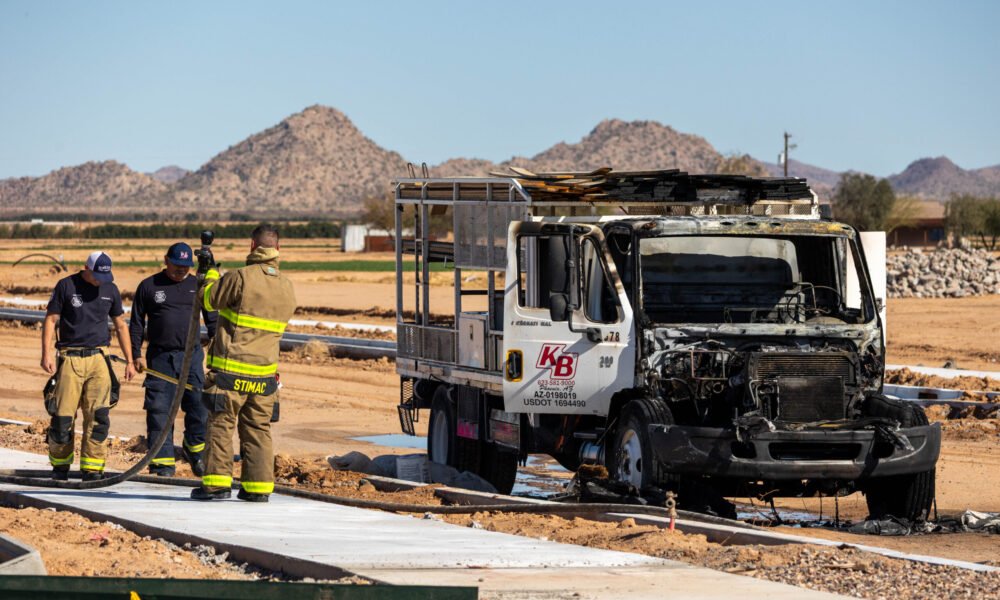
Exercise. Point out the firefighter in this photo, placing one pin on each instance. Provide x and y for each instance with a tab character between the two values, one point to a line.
255	303
167	299
82	303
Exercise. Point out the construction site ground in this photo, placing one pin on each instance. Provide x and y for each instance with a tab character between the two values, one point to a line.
328	401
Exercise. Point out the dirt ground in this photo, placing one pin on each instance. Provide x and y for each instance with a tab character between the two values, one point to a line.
324	407
932	331
75	546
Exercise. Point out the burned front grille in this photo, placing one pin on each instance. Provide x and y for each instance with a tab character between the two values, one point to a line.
808	399
798	387
769	365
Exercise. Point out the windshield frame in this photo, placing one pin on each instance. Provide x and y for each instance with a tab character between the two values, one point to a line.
868	311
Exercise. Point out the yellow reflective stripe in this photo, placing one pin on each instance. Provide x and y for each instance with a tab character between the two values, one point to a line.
258	487
223	481
57	462
91	464
241	368
211	275
164	461
252	322
206	297
194	447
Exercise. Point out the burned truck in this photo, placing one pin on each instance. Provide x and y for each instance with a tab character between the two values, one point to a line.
714	330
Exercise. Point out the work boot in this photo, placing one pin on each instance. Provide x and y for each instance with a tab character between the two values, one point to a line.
92	475
200	493
196	460
60	473
162	471
251	497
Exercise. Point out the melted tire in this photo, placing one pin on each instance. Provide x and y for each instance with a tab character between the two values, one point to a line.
902	496
442	415
498	467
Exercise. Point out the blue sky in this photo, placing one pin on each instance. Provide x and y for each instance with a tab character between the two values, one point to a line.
869	86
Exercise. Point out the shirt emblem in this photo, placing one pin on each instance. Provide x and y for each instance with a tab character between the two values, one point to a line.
160	297
76	300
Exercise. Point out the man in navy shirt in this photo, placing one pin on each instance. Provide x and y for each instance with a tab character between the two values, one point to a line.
166	300
81	304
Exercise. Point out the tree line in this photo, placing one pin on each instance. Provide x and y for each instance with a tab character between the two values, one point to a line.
191	230
869	204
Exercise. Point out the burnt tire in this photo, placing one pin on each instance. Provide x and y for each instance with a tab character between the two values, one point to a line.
441	428
498	467
444	446
902	496
630	458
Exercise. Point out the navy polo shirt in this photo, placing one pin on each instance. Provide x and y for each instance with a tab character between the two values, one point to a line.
83	311
167	305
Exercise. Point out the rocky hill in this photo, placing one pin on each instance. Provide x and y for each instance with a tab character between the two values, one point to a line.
107	186
627	145
624	145
169	174
315	162
818	177
940	178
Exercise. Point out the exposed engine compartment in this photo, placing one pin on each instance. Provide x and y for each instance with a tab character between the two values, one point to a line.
716	382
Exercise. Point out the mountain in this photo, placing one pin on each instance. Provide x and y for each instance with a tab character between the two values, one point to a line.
815	175
107	186
315	162
627	145
169	174
624	145
940	178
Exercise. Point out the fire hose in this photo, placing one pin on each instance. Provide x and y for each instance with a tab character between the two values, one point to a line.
41	478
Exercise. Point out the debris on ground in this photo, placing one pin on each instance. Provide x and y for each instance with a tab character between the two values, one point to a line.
341	331
410	467
905	376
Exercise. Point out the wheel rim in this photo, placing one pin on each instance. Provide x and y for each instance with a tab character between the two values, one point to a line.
630	458
439	438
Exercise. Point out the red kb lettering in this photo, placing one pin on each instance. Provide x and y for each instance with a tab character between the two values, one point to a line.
562	364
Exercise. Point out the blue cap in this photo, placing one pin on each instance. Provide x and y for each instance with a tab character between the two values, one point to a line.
99	264
180	254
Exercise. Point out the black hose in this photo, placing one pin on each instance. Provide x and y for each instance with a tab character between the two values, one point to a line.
43	479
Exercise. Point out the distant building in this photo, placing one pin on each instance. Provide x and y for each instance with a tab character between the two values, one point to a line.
927	229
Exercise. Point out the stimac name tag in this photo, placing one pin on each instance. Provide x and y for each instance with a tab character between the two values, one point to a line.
249	387
259	386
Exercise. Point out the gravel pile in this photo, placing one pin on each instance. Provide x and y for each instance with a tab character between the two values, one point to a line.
858	574
942	273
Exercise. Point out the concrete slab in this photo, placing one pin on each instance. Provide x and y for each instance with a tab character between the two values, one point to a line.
318	539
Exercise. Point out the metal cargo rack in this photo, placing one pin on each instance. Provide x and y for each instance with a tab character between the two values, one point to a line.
481	212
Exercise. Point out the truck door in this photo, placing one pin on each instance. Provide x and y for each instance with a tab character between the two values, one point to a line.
569	335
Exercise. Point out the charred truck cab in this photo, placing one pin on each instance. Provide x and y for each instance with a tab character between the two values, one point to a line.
675	328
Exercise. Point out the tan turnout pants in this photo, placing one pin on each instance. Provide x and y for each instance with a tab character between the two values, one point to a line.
85	384
250	414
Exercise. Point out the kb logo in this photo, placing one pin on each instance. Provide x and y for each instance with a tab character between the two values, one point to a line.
562	364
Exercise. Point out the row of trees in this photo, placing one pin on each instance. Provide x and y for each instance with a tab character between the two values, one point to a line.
977	218
871	205
312	229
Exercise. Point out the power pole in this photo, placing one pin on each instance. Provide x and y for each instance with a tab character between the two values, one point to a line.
784	155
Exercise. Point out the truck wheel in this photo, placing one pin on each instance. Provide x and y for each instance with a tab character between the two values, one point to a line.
630	458
498	467
443	444
441	429
903	496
